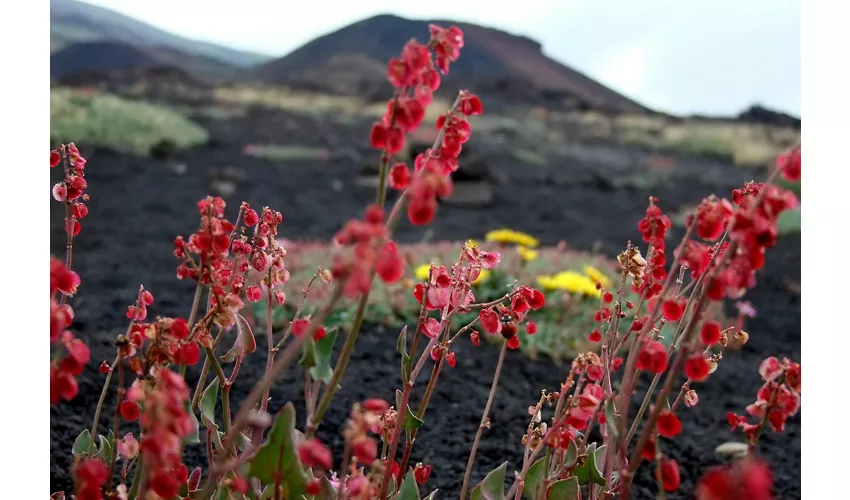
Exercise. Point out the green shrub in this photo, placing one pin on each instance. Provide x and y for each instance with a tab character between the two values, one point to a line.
287	152
100	119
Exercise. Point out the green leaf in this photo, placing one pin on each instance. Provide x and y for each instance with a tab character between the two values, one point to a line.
82	444
245	342
208	402
106	445
308	354
194	437
534	478
411	421
611	419
328	491
789	221
598	458
492	487
279	456
565	489
324	349
408	490
432	496
406	361
571	456
589	470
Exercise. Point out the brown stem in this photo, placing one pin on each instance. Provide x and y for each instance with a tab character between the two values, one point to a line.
399	424
485	418
763	424
103	392
225	391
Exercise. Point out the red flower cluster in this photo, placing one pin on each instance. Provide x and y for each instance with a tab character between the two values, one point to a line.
789	164
588	403
778	398
89	477
747	479
365	418
165	423
669	474
432	179
711	217
504	320
653	228
315	454
653	357
64	372
71	189
373	251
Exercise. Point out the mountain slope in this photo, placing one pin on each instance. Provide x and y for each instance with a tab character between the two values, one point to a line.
488	55
105	56
72	21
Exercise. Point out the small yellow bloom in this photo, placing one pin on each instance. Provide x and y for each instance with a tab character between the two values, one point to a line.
526	253
511	236
569	281
482	277
597	276
422	272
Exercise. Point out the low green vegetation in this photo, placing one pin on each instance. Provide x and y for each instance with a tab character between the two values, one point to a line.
566	277
100	119
287	152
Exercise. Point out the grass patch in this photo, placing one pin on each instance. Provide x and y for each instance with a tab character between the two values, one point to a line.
286	153
310	103
96	118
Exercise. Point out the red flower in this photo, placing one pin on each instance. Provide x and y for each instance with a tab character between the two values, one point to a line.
375	405
421	473
190	354
314	487
129	410
668	424
55	158
697	367
535	298
471	105
710	332
748	479
616	363
315	454
251	218
531	328
89	477
788	162
146	297
669	474
179	328
595	335
451	359
253	293
513	342
607	297
653	357
673	309
770	369
431	328
389	265
490	321
365	451
399	177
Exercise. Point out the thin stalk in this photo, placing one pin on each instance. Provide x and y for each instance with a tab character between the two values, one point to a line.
224	390
485	417
137	480
348	348
100	402
399	424
116	426
763	425
264	403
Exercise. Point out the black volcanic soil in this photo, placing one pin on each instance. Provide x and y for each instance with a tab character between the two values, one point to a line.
138	205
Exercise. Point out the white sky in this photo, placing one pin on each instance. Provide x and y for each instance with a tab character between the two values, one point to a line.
711	56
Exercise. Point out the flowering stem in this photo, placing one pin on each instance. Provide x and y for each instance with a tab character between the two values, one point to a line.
297	314
767	410
205	369
117	423
399	424
99	407
485	418
283	362
257	433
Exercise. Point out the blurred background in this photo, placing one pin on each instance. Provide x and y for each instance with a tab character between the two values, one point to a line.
590	108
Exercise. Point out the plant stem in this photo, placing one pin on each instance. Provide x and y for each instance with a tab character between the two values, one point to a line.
224	389
767	410
117	424
202	379
257	432
100	402
137	480
485	417
399	425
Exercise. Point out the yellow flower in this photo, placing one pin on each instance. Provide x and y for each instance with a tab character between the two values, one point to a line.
526	253
482	277
597	276
569	281
422	272
511	236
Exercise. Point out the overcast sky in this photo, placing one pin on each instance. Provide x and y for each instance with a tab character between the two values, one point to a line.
699	56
